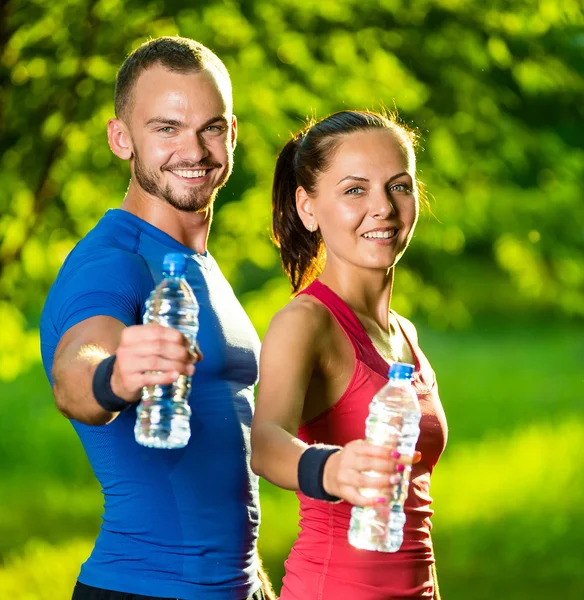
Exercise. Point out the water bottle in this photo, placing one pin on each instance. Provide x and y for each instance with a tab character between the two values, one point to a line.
394	420
163	414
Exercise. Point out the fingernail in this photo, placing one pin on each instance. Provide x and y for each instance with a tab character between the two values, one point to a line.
400	468
395	478
380	500
395	454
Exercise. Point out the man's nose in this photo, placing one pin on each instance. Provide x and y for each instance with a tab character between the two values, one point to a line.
193	148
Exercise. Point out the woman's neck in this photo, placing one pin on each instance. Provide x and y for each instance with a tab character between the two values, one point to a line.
366	291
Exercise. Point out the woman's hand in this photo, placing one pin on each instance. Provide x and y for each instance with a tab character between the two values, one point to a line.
345	472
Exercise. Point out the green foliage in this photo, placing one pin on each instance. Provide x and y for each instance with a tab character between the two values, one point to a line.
495	93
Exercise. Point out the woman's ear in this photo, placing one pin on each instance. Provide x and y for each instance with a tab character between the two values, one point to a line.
119	139
305	209
233	138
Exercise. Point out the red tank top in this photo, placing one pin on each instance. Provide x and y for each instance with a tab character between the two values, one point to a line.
322	565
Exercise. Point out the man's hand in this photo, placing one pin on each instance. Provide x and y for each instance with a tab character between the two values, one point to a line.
145	355
150	355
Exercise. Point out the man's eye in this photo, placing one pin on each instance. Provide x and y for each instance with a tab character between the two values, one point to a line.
166	129
215	128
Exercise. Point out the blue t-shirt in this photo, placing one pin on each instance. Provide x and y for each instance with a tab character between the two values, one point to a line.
176	523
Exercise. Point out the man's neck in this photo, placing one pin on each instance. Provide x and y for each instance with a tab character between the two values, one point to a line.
188	228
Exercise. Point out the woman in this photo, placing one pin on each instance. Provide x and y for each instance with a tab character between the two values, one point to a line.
345	205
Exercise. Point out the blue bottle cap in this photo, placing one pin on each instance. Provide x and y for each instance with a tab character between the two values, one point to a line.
175	264
401	371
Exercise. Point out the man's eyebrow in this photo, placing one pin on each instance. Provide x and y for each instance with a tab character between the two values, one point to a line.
217	119
164	121
176	123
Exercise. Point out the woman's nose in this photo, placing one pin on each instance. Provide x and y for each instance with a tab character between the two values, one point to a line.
382	206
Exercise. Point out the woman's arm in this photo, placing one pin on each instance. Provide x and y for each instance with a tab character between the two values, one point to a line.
293	348
290	352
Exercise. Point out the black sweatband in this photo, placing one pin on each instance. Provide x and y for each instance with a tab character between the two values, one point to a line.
311	471
102	387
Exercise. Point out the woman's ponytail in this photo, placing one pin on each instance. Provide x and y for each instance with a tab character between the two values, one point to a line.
300	249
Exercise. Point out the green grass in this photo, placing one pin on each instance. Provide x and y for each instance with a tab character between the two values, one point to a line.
497	378
509	504
43	572
41	508
510	514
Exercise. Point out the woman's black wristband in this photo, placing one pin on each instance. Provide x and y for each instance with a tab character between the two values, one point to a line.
311	472
102	387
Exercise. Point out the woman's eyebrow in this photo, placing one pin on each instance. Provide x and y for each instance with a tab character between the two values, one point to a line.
355	177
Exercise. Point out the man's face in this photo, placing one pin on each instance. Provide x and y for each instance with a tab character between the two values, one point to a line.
183	136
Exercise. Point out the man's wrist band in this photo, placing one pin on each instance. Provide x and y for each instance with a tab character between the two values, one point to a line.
311	472
102	387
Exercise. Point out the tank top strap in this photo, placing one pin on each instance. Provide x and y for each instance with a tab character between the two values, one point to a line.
424	377
364	349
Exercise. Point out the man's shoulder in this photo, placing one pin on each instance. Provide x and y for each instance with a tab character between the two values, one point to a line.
104	268
116	231
89	264
112	246
104	274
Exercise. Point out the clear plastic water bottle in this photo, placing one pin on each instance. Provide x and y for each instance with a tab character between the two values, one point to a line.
394	420
163	415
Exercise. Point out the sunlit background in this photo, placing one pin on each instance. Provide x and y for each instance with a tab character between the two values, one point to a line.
494	278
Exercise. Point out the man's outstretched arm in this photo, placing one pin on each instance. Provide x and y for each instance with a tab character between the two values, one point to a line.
145	355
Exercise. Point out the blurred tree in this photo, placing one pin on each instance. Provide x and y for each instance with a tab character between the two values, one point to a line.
495	91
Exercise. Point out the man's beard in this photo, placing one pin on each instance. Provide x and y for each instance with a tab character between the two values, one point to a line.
196	199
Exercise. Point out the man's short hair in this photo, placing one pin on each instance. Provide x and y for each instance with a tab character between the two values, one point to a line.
177	54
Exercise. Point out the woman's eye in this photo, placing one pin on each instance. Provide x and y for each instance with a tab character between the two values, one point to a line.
400	187
354	191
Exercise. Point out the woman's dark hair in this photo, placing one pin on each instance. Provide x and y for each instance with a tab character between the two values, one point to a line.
302	159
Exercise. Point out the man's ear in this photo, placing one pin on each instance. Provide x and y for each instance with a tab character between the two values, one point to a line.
119	139
305	209
233	132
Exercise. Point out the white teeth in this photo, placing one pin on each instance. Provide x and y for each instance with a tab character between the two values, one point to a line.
380	235
190	174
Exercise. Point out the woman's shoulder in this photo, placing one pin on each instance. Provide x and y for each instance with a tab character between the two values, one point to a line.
303	315
408	327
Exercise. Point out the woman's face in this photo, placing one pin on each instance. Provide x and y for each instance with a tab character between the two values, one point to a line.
366	203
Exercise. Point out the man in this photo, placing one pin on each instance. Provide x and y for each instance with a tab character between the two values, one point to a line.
178	524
